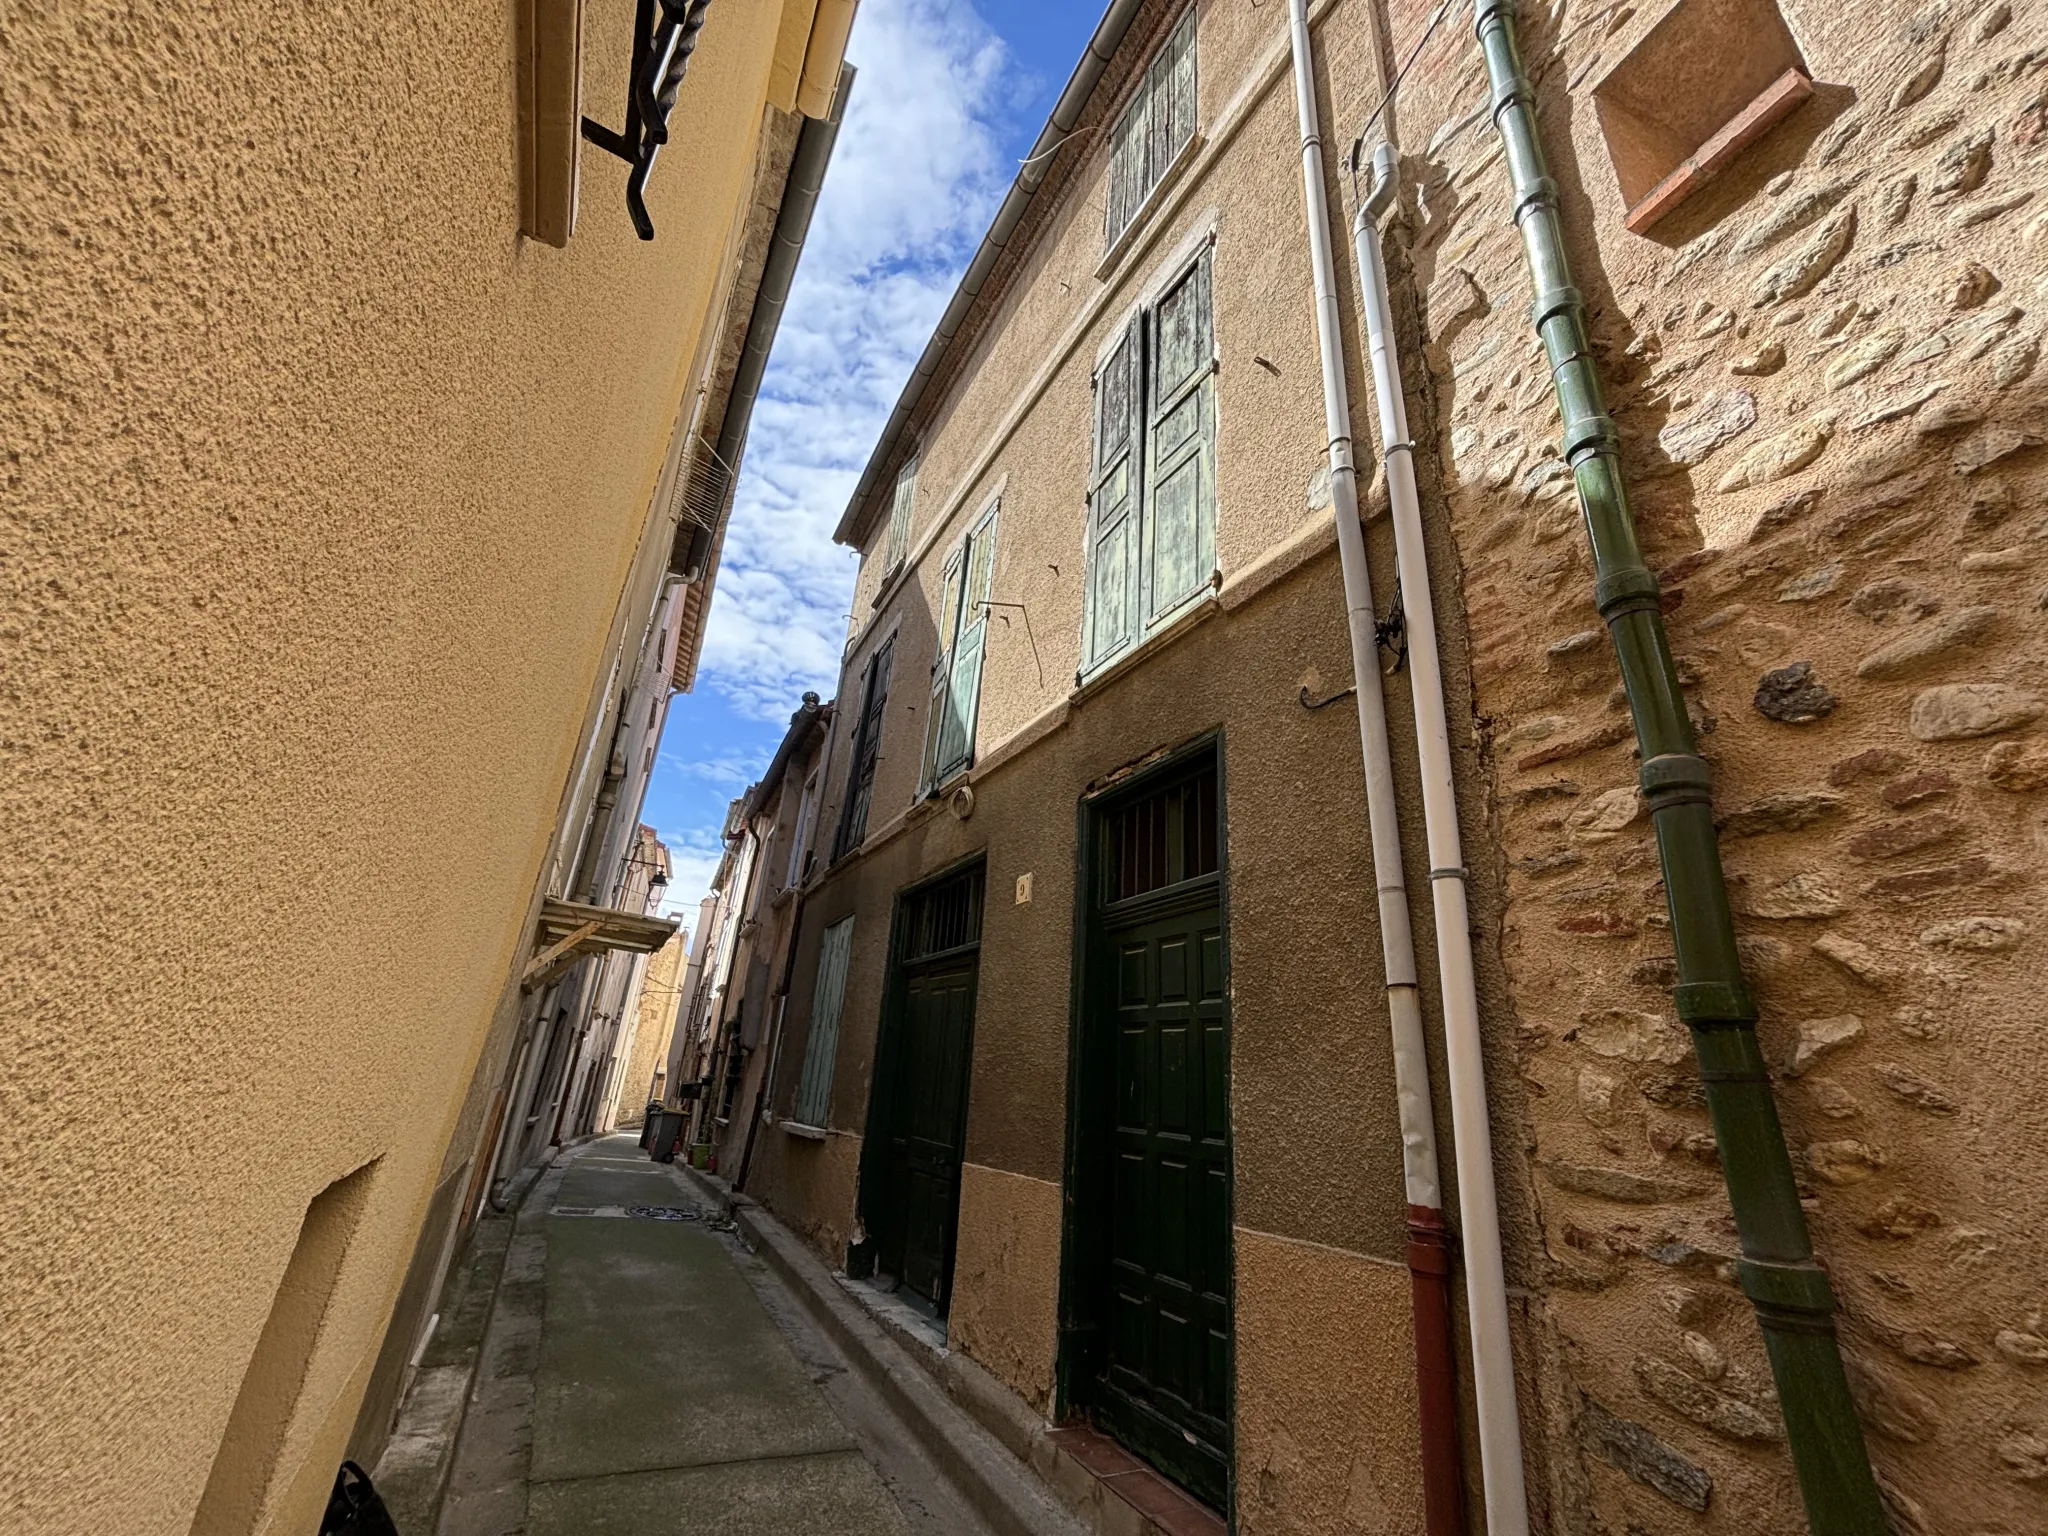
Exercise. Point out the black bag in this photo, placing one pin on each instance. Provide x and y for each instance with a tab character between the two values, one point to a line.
354	1509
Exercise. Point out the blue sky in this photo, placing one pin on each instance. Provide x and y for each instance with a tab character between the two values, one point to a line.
950	95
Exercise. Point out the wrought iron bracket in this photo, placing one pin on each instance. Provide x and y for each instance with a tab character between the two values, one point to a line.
665	34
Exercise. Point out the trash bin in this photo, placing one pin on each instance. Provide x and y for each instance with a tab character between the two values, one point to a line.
647	1122
668	1130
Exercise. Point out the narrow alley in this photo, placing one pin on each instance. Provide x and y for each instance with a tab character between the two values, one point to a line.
637	1366
643	1370
1291	755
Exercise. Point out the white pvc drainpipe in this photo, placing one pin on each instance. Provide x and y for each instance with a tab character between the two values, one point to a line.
1493	1376
1428	1245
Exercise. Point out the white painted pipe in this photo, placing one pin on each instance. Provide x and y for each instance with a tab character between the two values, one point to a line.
1493	1375
1397	943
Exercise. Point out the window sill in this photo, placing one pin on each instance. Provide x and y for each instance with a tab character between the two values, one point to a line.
1133	232
801	1131
1696	170
887	588
1186	618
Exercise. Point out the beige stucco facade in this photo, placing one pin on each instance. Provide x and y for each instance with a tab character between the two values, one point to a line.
329	505
1866	275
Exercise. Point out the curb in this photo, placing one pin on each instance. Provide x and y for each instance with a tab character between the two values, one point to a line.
1027	1483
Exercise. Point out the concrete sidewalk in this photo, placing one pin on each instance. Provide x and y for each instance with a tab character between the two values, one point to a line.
633	1381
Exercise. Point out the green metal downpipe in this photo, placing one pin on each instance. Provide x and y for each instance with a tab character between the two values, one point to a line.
1793	1301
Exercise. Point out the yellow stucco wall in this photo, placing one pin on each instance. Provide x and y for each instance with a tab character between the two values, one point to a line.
654	1020
318	492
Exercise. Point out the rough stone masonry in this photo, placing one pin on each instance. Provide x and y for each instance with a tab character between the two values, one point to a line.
1825	365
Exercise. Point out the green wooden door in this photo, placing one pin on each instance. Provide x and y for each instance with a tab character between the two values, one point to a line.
1146	1314
925	1139
1165	1383
917	1117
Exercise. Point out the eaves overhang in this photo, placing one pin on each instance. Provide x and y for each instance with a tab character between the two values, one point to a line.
1031	175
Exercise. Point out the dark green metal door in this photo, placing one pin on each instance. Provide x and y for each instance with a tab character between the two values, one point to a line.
918	1115
925	1141
1166	1384
1149	1318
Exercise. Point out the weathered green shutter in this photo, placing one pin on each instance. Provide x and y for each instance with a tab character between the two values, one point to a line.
867	748
1111	620
1127	157
942	672
899	517
1180	445
963	688
821	1053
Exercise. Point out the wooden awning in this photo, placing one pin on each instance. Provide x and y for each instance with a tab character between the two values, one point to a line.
569	930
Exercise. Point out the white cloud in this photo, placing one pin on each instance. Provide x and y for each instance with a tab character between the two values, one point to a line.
915	178
693	865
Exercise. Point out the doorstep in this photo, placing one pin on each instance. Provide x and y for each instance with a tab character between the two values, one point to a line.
1101	1485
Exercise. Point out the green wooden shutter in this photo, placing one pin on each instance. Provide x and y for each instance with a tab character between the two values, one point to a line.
1179	550
821	1052
942	672
867	748
1110	622
963	683
1127	165
899	517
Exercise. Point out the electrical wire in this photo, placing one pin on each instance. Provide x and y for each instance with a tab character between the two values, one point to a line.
1399	75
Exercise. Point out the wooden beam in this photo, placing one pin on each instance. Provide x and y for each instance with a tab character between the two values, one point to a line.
540	965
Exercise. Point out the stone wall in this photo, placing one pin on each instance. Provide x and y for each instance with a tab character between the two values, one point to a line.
1824	366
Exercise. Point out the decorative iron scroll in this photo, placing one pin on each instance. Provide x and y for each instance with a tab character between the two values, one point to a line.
664	36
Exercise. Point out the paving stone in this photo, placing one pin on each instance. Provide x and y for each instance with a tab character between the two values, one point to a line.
1915	1090
2017	767
1723	416
1916	788
1822	1037
1872	760
1847	1161
1628	1035
1634	1450
1960	711
1859	960
1899	1217
1810	893
1982	935
1787	812
1862	359
1785	453
1915	885
1798	273
1793	695
1717	1409
1929	642
1890	839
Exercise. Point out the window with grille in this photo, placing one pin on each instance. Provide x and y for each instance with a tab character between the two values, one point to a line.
821	1053
945	915
963	637
867	747
1168	836
898	545
1153	129
1152	487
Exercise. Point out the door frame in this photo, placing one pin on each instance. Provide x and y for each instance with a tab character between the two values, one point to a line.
1089	1130
875	1131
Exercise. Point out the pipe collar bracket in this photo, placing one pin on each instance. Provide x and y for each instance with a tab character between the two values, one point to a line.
1715	1002
1632	589
1797	1296
1554	301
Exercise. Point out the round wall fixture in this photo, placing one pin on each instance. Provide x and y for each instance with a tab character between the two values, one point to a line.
961	802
